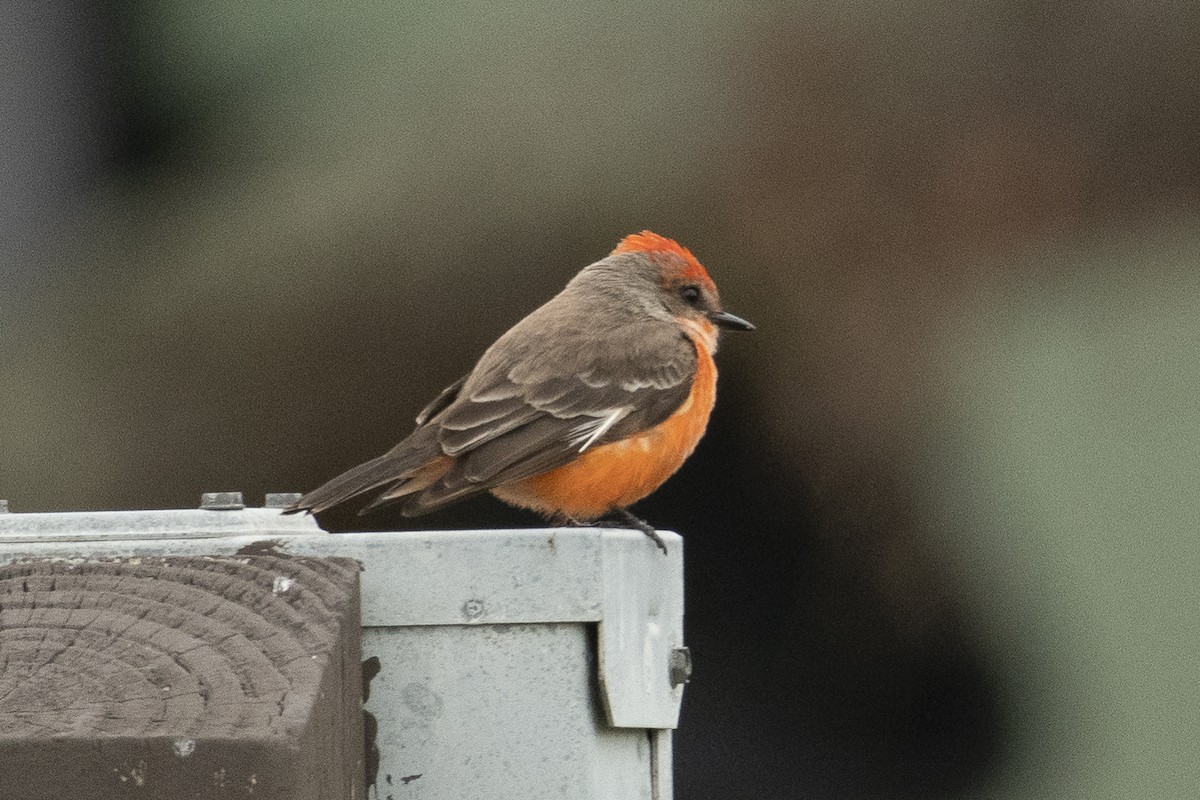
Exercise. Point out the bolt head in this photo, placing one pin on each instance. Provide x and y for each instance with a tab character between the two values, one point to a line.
281	499
680	666
473	609
222	501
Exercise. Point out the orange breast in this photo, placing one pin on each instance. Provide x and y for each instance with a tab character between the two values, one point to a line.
618	474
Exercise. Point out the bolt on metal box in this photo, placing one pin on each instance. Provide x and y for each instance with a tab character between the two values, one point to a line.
534	664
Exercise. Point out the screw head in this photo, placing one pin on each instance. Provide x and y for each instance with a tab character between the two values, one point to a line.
473	609
679	667
222	501
281	499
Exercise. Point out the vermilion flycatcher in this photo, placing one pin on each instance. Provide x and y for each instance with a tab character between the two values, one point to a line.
580	410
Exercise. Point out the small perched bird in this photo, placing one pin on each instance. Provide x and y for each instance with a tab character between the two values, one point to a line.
580	410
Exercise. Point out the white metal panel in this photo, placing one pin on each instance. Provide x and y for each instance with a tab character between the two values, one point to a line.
662	770
90	526
528	726
642	623
474	577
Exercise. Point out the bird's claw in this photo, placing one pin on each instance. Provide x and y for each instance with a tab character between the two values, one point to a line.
624	516
640	524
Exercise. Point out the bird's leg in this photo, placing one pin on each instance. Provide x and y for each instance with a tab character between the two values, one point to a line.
634	521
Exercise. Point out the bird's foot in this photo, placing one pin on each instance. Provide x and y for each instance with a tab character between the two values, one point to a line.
633	521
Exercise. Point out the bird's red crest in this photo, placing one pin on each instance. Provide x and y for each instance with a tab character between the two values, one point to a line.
651	243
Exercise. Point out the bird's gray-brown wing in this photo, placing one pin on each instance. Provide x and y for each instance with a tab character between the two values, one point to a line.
527	409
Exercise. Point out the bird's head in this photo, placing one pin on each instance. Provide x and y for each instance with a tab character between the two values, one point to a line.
683	285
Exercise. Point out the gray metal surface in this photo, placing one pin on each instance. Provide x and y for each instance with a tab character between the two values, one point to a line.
498	712
167	524
641	624
477	577
522	663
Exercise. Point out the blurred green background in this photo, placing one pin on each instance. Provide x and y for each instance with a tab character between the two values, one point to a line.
942	534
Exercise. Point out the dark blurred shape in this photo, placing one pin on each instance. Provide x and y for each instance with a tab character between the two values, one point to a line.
810	678
54	126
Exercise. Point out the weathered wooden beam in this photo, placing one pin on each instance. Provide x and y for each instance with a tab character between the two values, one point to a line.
181	677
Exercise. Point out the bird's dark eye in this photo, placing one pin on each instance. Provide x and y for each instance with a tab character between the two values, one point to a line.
691	295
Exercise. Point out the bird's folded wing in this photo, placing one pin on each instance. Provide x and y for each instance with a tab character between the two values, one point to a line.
439	403
514	420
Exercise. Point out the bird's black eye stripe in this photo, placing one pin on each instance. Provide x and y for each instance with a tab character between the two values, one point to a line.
691	295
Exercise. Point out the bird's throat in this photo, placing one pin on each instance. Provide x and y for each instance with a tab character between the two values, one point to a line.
702	332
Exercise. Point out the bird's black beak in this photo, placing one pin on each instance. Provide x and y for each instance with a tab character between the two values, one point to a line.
731	321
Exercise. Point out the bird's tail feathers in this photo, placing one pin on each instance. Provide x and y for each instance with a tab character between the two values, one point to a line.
416	481
416	461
